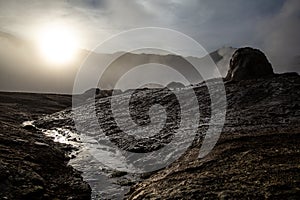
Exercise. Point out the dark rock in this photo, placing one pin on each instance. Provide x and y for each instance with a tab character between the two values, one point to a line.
256	157
97	93
118	174
33	166
125	182
175	85
34	193
29	127
92	92
248	63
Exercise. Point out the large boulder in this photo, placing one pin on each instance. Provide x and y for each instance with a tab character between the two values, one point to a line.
248	63
175	85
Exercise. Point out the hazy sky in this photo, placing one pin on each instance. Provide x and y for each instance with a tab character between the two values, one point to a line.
212	23
271	25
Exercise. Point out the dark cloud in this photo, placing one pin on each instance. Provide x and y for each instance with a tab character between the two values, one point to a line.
212	23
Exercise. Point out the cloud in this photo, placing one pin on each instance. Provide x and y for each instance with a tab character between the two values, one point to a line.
212	23
280	36
271	25
23	69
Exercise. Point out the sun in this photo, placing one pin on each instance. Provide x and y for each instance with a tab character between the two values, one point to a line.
57	44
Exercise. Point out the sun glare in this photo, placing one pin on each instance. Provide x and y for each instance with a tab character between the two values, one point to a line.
57	44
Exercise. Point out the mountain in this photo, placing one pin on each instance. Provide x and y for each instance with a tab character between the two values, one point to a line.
185	66
22	68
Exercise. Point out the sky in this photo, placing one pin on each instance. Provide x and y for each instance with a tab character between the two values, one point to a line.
270	25
212	23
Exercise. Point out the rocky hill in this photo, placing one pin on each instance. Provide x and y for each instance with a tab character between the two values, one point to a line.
256	157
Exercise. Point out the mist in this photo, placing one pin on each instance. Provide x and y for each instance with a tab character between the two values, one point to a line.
271	25
280	37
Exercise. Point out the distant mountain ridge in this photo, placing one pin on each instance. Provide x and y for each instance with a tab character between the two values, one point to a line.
22	69
184	65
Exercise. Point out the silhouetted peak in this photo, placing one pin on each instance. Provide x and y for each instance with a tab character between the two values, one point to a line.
248	63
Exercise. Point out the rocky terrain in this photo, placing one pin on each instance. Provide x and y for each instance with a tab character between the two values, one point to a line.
32	166
256	157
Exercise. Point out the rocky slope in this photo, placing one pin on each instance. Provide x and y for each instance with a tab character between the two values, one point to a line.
32	166
257	155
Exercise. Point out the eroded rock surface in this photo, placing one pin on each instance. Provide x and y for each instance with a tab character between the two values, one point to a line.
248	63
32	166
257	156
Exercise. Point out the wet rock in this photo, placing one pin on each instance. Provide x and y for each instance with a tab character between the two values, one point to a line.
118	174
21	140
125	182
32	166
41	144
256	157
248	63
